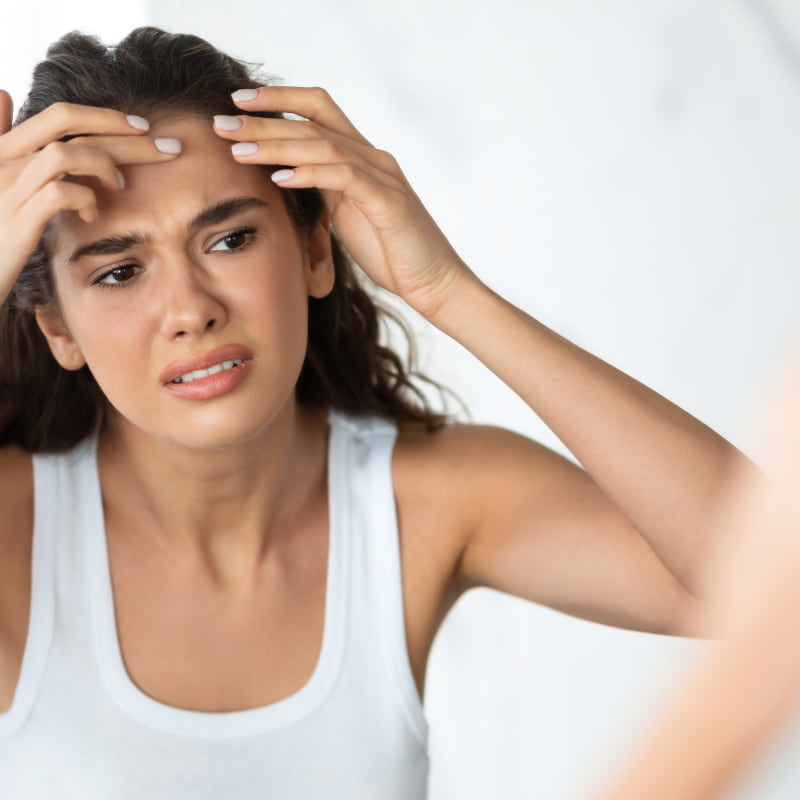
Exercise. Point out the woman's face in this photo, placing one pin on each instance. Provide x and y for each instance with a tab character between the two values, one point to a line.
187	298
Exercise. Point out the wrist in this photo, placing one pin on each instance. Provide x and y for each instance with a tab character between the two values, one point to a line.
445	305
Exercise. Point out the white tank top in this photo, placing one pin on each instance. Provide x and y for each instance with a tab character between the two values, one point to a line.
80	728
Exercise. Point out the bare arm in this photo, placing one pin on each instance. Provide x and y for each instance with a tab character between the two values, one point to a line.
655	471
724	709
660	466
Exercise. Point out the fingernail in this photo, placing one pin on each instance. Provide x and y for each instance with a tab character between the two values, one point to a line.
244	148
225	123
169	146
282	175
243	95
120	179
140	123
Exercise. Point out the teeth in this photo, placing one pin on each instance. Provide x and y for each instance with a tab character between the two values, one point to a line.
204	373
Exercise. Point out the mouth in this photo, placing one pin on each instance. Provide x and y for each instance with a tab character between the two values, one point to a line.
223	366
193	368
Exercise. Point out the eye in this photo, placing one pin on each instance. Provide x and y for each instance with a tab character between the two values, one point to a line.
235	240
118	275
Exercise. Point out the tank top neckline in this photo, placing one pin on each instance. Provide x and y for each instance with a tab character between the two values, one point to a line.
206	724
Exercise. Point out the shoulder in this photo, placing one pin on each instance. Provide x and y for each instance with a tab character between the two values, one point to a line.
471	461
462	477
444	482
464	492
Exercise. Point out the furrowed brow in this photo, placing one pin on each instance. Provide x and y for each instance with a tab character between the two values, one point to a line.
213	215
220	212
110	246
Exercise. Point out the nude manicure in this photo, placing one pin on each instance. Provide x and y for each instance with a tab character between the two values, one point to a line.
140	123
281	175
243	95
244	148
225	123
169	146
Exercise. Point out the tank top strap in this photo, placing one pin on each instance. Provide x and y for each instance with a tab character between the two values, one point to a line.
376	621
355	730
55	567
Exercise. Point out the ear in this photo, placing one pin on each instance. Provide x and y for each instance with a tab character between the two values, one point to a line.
319	258
62	345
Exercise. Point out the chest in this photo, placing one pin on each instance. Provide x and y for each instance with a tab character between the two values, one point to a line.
257	648
189	645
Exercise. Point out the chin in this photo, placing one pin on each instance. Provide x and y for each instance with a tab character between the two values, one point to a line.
216	438
209	428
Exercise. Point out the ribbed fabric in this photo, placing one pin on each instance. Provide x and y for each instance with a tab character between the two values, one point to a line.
80	728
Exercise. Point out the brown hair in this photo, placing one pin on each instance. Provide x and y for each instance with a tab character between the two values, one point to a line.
46	408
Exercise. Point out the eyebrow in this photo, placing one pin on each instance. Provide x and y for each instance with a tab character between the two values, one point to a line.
213	215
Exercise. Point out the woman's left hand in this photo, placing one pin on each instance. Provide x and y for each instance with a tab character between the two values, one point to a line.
373	210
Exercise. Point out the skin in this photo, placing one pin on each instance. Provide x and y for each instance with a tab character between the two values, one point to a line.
219	507
182	295
725	708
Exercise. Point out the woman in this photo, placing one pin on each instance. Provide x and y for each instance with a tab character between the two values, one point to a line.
254	526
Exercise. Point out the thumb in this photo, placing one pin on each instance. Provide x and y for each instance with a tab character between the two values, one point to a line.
6	111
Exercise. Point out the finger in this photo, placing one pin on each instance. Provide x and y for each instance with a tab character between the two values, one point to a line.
297	153
67	119
89	156
54	198
360	184
312	103
6	111
133	149
258	129
58	159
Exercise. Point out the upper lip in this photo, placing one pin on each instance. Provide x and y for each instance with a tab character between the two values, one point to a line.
225	352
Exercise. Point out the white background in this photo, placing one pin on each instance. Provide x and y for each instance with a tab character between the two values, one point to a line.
624	170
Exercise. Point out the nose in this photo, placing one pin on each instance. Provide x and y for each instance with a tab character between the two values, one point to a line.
190	305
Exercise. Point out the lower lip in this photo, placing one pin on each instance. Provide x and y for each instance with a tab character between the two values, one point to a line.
211	386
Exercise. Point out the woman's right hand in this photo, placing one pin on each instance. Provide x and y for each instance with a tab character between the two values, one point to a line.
33	162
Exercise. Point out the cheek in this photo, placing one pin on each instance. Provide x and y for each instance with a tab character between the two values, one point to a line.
108	334
117	348
264	300
274	296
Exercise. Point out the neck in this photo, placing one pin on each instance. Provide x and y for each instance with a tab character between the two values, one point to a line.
225	509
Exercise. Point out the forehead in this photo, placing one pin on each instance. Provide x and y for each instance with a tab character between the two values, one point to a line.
161	197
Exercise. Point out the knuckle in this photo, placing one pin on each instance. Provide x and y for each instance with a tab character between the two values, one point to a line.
331	151
386	160
60	194
62	190
309	128
349	172
62	111
320	99
400	200
55	151
101	157
53	194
